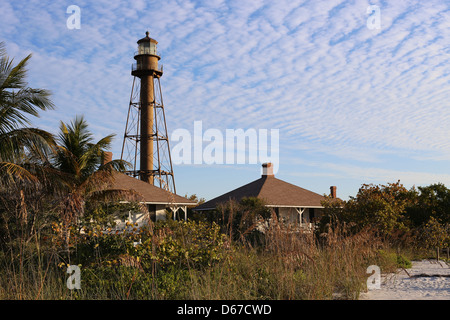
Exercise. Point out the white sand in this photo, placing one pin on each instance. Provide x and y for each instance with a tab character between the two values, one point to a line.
410	286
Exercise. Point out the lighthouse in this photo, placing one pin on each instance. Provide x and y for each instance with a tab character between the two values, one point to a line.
146	143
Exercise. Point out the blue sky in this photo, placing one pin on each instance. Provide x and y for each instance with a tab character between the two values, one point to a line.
352	105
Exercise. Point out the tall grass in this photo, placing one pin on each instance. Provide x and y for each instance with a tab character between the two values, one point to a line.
289	264
292	265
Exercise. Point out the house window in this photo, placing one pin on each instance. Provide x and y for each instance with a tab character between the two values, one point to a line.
311	214
152	211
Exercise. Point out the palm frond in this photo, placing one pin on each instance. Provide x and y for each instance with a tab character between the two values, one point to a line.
26	99
38	143
65	161
116	165
17	103
13	77
11	171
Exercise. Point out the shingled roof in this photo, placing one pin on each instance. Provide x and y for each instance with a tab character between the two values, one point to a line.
273	191
150	194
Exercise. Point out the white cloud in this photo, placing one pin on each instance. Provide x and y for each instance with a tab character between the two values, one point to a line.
367	174
309	68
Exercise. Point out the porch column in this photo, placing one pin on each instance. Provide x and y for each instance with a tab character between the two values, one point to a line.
300	213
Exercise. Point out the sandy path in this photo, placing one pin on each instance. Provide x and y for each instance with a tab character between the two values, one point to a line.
426	280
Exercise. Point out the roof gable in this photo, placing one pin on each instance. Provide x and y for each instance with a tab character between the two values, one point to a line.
148	192
273	191
277	192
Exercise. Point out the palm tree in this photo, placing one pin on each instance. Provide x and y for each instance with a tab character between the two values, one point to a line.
23	153
83	173
77	154
17	103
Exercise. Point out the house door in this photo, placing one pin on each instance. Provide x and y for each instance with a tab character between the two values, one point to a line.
152	211
311	215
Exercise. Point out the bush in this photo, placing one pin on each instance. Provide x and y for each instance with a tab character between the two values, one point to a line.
185	244
151	262
240	220
389	261
403	262
122	282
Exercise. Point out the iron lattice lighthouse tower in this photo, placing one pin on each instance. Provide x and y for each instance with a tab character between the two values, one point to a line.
146	137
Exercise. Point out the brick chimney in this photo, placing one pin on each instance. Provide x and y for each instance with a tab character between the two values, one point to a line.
107	157
333	192
267	169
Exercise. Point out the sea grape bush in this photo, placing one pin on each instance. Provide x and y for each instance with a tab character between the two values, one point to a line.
191	244
186	244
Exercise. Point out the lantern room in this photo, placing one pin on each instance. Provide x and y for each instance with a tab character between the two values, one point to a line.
147	58
147	45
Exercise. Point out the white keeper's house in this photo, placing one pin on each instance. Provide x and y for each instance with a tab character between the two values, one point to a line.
157	200
292	204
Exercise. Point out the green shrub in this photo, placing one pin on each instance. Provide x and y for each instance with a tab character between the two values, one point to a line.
188	244
403	262
389	261
386	260
173	284
191	244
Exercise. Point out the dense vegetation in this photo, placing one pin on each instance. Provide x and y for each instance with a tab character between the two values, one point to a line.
56	211
415	218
